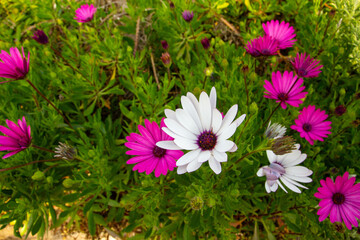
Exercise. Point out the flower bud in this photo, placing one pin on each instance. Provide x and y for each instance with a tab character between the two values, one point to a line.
187	15
68	183
40	37
342	92
164	44
65	151
38	175
283	145
205	43
166	59
275	131
196	203
340	110
253	108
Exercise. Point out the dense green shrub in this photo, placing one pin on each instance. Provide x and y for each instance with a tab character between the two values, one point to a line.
107	76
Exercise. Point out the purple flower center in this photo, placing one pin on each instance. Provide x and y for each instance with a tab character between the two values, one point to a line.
302	72
265	51
159	152
338	198
307	127
207	140
283	97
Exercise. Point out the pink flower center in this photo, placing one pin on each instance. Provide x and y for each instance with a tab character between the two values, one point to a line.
265	51
307	127
302	72
207	140
283	97
159	152
338	198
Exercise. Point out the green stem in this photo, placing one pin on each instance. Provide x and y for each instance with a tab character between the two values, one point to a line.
43	96
272	113
240	159
26	164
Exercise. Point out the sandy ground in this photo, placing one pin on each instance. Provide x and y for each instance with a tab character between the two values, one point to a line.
7	234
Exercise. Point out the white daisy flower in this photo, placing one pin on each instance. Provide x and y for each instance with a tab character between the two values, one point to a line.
200	128
283	167
275	131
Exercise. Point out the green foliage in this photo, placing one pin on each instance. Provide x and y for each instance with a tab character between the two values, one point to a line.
101	76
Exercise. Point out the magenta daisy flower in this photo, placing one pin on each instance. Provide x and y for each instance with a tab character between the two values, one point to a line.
265	46
286	89
340	200
14	65
85	13
149	156
311	124
281	32
17	139
305	66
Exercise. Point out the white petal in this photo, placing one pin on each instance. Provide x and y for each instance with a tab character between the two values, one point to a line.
193	100
299	179
234	148
228	132
224	146
292	181
189	107
282	187
181	169
297	146
216	120
169	132
213	97
294	162
298	171
187	121
229	117
193	166
291	186
170	114
205	111
204	156
267	187
274	187
220	156
289	157
170	145
240	119
188	157
271	156
260	172
215	165
186	143
178	129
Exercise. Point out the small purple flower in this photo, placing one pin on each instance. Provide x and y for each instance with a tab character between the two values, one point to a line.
85	13
187	15
164	44
14	65
17	139
305	66
265	46
205	42
40	37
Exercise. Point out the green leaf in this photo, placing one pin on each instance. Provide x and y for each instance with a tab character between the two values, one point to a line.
37	225
91	223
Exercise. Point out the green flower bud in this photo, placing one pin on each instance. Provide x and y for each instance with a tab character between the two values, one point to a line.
253	108
91	153
342	92
50	180
68	183
196	203
38	175
211	202
224	63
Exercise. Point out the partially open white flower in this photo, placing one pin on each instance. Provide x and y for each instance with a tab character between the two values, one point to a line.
283	167
275	131
199	127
